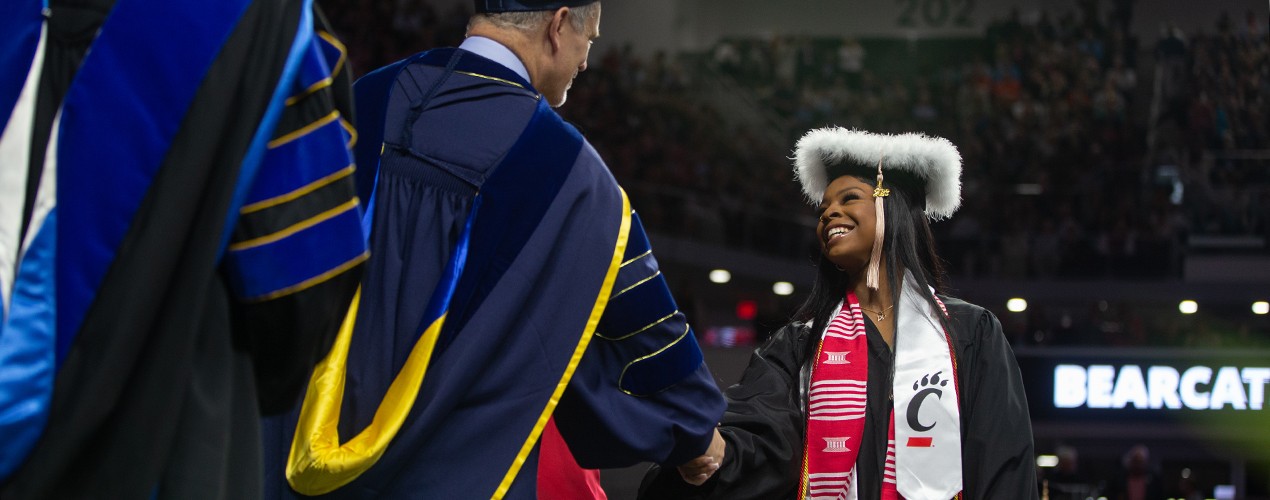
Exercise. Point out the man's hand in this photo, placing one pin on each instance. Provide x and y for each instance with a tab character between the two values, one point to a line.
698	470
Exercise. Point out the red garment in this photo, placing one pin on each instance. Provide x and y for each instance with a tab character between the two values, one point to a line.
559	475
835	405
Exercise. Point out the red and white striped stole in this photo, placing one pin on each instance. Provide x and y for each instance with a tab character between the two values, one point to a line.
836	405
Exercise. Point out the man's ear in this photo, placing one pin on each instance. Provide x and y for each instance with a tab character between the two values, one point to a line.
555	28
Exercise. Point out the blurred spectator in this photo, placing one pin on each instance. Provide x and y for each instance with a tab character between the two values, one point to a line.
1066	481
1187	490
1139	480
851	60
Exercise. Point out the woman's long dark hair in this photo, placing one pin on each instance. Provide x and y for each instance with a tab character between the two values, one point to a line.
908	244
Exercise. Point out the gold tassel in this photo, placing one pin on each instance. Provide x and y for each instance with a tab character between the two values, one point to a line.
875	258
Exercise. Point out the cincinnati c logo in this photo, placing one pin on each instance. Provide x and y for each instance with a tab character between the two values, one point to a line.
932	384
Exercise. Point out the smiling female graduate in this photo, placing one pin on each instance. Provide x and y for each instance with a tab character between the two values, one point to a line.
882	387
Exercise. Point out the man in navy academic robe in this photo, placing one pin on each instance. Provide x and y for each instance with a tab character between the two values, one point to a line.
510	281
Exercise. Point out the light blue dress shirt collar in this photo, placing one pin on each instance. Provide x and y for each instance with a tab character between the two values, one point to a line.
497	52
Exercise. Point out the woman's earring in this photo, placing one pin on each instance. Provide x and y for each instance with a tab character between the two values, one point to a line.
839	268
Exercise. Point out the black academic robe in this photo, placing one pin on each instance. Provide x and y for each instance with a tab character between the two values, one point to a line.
765	423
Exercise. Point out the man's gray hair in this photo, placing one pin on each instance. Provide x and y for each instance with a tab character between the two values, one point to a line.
530	20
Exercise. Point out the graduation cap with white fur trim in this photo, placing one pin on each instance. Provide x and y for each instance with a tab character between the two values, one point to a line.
932	162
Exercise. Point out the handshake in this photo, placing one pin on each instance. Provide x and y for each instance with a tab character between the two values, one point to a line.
698	470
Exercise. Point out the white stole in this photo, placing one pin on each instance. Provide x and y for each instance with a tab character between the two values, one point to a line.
927	418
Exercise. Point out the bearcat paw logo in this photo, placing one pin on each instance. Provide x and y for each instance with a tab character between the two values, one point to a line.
932	379
928	385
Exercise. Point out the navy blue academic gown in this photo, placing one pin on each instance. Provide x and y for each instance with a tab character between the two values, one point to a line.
498	233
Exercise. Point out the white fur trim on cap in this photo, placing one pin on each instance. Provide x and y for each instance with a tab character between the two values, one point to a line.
933	159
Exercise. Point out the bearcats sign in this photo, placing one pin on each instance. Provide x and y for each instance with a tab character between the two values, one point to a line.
1127	385
1162	388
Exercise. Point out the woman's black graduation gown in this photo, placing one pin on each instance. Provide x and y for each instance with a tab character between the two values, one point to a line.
764	425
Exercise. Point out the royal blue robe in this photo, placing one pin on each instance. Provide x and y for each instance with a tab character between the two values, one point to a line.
189	236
